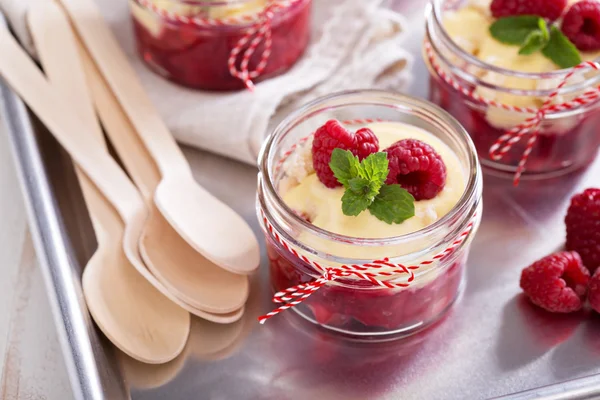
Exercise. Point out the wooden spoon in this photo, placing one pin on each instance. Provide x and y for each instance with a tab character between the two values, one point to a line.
64	51
208	225
185	272
135	316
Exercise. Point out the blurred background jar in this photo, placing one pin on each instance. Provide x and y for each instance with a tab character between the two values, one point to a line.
483	96
190	42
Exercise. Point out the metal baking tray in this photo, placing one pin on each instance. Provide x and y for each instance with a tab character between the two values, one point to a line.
493	344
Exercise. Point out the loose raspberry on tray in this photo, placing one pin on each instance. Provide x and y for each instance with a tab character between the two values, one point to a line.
557	283
549	9
581	25
583	227
416	167
333	136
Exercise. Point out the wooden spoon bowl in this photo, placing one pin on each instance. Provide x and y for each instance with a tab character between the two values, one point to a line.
186	273
131	312
206	224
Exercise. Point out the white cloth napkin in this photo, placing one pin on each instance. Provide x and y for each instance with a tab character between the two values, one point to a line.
356	44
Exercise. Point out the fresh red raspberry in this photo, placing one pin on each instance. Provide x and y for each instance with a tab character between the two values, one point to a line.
549	9
583	227
557	283
366	143
594	291
581	25
416	167
332	136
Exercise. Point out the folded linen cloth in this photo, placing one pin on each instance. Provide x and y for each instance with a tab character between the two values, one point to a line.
355	44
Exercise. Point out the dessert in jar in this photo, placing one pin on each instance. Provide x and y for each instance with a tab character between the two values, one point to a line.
203	43
369	201
512	69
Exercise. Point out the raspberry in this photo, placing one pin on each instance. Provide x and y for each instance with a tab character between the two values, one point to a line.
581	25
333	135
557	283
366	143
583	227
416	167
549	9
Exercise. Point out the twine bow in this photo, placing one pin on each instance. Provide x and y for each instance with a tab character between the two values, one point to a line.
260	32
531	126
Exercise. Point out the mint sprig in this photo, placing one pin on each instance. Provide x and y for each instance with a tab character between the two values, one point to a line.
531	33
366	189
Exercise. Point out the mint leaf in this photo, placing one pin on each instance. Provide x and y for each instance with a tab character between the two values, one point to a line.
544	29
354	203
516	30
359	186
393	204
535	41
358	196
344	165
375	169
561	50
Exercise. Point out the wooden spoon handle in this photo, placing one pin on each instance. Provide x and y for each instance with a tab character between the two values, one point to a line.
55	45
122	134
125	84
52	34
26	79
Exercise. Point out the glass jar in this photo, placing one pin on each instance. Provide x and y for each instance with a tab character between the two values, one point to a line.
460	83
190	41
354	307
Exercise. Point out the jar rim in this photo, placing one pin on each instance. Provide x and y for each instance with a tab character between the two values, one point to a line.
468	197
242	22
435	9
212	3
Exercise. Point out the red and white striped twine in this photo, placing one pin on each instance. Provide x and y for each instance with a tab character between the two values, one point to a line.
531	126
259	32
369	272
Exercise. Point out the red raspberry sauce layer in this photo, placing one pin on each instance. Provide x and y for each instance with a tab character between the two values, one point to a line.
364	310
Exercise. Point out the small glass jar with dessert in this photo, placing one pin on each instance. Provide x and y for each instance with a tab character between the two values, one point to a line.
511	72
369	202
220	44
